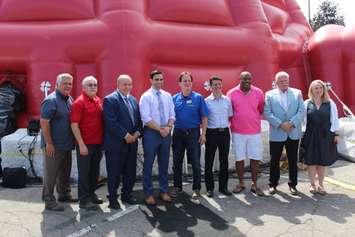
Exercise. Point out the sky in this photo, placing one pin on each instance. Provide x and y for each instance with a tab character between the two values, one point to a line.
346	7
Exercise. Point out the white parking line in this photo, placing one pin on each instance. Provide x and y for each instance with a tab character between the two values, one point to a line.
122	213
213	203
115	216
83	231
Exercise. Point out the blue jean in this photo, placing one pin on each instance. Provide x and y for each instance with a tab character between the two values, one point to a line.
155	145
187	139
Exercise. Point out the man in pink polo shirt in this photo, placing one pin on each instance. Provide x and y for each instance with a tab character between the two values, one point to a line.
248	105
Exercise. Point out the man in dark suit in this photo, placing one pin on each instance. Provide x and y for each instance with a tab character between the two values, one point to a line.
122	129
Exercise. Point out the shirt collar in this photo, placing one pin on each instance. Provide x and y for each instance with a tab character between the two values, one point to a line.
281	92
155	91
86	97
186	97
215	98
122	95
57	92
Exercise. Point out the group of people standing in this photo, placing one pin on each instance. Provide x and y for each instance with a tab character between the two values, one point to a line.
186	121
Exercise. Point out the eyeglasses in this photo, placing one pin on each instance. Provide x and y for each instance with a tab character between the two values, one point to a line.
91	85
158	79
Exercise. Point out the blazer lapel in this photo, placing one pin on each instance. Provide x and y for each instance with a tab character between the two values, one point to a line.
289	98
123	104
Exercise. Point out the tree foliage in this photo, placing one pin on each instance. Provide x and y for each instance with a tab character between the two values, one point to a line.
327	13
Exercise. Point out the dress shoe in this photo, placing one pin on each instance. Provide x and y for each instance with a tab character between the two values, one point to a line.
165	197
97	200
54	207
225	192
130	200
209	193
89	206
68	199
293	191
150	201
114	204
272	190
175	192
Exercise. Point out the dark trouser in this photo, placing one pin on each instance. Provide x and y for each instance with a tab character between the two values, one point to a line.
56	173
0	166
88	170
187	139
121	165
220	139
155	145
275	152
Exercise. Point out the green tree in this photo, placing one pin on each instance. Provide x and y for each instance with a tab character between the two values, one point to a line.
327	13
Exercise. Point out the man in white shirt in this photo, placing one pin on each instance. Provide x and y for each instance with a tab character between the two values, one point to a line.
158	116
217	136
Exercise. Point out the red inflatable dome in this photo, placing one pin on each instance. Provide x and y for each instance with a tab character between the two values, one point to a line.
105	38
332	58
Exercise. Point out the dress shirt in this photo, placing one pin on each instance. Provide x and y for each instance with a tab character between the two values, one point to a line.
220	110
149	107
283	99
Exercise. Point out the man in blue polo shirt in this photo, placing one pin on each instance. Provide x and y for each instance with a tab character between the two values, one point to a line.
57	143
191	112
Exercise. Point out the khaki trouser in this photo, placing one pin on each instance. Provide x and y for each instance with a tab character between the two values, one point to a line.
56	172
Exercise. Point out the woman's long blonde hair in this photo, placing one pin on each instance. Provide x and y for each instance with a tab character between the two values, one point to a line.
325	96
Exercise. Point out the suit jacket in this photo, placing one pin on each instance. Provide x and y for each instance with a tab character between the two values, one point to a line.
118	122
276	114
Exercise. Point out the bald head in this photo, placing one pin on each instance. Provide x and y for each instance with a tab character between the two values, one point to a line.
124	84
245	75
245	81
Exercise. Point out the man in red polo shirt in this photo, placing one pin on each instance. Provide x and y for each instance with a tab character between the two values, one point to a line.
87	126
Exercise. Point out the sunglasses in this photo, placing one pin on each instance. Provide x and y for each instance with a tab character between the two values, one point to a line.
91	85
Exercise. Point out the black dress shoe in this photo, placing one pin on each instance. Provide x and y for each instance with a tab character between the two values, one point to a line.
89	206
97	200
209	193
54	207
225	192
293	191
130	200
114	204
68	199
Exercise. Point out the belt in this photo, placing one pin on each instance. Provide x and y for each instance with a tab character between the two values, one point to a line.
187	131
218	129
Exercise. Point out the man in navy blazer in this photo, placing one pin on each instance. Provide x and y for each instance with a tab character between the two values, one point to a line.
122	129
284	110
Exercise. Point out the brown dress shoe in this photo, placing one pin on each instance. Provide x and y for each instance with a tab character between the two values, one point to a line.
150	201
165	197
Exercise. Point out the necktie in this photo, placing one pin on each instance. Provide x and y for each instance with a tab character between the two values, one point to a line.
130	109
161	110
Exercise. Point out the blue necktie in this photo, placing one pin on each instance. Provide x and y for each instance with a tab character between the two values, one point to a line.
130	109
161	110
